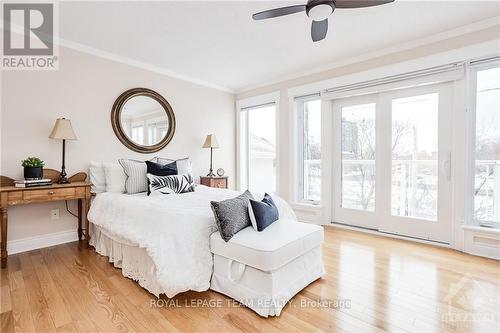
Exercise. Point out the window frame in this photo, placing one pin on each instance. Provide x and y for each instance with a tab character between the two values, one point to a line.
242	143
473	69
299	160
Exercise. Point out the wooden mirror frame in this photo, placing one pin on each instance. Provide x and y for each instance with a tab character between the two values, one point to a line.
120	133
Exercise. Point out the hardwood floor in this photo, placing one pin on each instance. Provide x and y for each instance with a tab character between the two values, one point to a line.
373	284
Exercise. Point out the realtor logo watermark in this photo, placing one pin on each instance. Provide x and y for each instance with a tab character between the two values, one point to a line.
468	301
28	36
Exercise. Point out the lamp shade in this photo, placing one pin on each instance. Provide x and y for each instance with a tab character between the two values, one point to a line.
211	142
62	130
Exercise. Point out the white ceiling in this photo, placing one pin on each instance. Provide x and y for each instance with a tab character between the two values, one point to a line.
218	42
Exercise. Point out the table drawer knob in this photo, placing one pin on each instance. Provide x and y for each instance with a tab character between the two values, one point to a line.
51	192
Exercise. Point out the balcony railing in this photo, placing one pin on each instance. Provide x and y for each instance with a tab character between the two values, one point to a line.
486	189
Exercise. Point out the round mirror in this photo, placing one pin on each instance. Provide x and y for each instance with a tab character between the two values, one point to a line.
143	120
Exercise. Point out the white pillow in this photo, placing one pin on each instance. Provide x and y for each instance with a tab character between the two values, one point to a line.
115	177
184	165
97	177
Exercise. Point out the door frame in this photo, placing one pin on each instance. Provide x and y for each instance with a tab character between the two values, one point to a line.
439	230
381	218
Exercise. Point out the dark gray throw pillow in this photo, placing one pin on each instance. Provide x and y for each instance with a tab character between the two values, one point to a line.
263	213
231	215
159	169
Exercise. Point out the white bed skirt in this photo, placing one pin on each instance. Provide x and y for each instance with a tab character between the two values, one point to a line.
272	289
266	292
134	261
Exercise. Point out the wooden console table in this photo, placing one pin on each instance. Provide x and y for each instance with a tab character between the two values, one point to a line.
10	195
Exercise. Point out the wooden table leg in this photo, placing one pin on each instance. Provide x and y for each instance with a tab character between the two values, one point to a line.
4	236
80	219
87	208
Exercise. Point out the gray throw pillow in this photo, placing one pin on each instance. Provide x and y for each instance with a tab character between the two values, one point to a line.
136	175
231	215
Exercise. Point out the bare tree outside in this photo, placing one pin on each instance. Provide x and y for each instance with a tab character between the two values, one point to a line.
358	157
363	173
414	155
311	150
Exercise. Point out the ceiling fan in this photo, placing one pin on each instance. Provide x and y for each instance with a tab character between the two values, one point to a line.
318	11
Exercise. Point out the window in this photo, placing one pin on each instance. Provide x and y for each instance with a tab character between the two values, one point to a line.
486	188
415	156
358	156
157	131
146	131
310	151
138	133
258	148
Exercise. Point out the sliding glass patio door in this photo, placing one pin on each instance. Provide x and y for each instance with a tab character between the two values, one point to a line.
392	162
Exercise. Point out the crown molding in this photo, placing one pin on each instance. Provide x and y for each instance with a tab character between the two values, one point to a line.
138	64
125	60
473	27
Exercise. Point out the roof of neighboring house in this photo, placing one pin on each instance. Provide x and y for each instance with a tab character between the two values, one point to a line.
262	148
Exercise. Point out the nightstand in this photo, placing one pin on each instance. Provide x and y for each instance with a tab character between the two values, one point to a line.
218	182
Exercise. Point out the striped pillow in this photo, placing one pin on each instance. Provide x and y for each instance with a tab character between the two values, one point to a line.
136	175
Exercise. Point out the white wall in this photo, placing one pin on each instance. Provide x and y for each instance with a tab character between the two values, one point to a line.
83	90
413	50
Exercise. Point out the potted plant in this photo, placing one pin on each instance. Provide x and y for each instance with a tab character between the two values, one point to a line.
33	168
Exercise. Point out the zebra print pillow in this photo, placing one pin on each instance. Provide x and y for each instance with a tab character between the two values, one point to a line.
173	184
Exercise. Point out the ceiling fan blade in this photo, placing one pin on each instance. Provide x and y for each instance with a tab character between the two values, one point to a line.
279	12
319	30
360	3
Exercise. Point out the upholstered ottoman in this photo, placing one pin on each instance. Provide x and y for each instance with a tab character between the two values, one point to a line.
264	270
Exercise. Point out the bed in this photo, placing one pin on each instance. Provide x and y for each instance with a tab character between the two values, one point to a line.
161	241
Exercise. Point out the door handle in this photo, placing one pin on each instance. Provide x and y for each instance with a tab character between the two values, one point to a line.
446	166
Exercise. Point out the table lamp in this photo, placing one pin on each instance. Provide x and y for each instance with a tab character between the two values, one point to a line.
63	131
211	142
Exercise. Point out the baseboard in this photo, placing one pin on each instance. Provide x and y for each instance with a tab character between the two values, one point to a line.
388	235
308	213
39	242
480	241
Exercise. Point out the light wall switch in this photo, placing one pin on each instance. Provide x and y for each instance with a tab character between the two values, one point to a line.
54	214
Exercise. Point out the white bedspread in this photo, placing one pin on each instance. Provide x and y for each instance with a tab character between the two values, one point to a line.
174	229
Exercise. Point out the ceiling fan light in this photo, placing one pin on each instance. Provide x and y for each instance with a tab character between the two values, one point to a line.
320	12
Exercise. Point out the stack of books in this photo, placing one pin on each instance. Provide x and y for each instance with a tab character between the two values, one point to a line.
32	183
